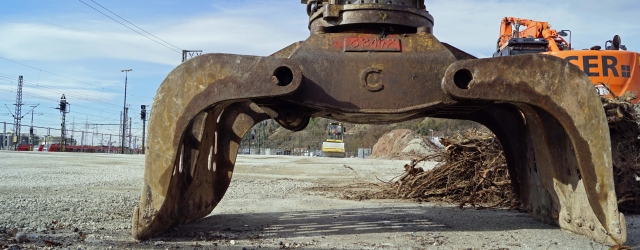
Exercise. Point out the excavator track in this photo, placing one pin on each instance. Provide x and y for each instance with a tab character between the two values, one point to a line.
367	62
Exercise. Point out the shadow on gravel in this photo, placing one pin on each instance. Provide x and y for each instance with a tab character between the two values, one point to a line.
351	222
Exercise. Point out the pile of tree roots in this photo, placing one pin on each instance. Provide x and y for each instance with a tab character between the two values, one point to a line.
622	117
474	172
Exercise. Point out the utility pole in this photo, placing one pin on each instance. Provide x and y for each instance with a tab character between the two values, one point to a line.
130	134
4	136
119	129
82	141
124	120
143	116
73	130
124	134
18	114
31	139
64	108
86	129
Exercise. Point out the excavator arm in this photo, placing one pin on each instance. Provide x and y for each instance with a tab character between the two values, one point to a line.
534	29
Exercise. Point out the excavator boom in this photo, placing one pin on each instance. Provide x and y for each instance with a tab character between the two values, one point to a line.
510	28
376	63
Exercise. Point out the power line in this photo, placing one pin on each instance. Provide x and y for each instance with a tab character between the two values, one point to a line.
66	77
136	26
67	92
129	27
96	117
75	112
50	99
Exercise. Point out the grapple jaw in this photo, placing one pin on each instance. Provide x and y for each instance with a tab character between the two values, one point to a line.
365	68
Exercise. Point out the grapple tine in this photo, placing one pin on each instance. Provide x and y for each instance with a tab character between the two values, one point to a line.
198	120
557	144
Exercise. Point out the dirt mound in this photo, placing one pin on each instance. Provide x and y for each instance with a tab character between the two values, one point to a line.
402	144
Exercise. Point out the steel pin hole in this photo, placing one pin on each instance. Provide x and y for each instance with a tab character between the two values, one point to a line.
283	76
462	78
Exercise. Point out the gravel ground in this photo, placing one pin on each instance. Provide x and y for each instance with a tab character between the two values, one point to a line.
85	201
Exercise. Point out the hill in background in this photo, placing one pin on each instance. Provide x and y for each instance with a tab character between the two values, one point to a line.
269	134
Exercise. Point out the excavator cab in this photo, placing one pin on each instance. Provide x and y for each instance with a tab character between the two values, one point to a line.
334	132
334	146
520	46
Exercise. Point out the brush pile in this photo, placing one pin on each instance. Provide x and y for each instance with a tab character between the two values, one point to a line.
473	172
625	148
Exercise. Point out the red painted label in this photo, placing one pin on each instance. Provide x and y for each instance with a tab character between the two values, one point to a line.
371	44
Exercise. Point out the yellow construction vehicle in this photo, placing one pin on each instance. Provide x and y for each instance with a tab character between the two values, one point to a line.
334	146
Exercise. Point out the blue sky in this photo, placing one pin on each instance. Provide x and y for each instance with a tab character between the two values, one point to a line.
64	46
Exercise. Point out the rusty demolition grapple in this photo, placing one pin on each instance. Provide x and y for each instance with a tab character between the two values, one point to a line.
374	61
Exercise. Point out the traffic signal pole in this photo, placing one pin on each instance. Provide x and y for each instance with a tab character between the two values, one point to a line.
64	109
143	116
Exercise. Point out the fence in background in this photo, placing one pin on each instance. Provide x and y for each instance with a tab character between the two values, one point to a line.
45	138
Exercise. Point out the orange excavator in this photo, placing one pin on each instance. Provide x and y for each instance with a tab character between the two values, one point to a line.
535	31
611	66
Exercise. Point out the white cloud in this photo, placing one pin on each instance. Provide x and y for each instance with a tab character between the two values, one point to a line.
266	26
43	42
246	31
238	34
